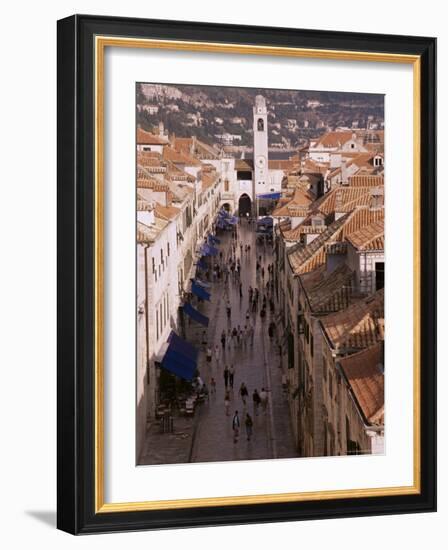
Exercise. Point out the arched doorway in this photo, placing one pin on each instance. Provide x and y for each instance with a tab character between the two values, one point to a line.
244	206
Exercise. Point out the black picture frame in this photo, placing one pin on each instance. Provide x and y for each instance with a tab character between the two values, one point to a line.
76	512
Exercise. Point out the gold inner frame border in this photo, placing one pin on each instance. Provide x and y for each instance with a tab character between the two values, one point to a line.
101	42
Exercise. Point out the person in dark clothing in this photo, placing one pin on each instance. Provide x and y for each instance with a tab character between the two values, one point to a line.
256	400
249	425
226	376
244	393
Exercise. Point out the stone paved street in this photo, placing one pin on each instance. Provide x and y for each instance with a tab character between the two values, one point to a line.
256	365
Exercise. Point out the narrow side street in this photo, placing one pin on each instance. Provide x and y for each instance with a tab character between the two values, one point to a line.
255	362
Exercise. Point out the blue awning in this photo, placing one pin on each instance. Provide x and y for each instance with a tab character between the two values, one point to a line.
201	283
269	196
206	250
180	358
213	240
196	315
266	221
200	292
182	346
213	251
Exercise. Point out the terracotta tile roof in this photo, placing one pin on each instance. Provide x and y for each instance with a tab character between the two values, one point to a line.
208	180
364	372
345	198
312	166
281	164
369	237
307	258
146	138
359	180
180	157
328	292
174	173
359	326
166	212
194	146
333	139
151	183
301	229
244	165
313	255
297	206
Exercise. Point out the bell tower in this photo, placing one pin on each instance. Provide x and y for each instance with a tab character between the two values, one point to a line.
260	180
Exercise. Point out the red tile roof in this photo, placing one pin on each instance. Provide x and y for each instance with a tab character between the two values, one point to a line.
146	138
359	326
369	237
364	372
328	292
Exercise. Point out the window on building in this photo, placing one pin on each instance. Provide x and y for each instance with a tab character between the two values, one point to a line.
226	185
379	275
153	265
260	125
244	175
157	325
168	249
311	345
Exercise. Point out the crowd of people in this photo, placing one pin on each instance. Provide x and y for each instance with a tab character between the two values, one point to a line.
237	336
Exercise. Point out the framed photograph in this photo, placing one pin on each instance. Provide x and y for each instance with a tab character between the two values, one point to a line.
231	345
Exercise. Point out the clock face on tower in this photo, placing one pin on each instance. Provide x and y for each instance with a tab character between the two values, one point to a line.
261	162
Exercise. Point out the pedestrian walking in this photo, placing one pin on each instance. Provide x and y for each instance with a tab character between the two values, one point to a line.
217	353
248	314
209	355
271	329
249	425
223	339
241	290
212	386
204	339
264	399
235	426
227	402
244	393
226	376
231	375
256	400
252	334
229	310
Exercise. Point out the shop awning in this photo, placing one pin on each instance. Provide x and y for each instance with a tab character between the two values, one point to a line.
269	196
201	283
213	240
198	291
180	358
209	250
196	315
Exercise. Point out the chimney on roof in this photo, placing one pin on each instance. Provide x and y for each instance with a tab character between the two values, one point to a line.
344	174
338	204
